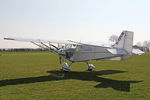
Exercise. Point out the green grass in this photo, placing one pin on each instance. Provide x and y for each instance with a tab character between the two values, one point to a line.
38	76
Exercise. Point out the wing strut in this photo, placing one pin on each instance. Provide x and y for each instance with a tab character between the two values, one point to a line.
44	46
38	45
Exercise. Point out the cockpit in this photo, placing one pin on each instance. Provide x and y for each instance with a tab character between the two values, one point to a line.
69	52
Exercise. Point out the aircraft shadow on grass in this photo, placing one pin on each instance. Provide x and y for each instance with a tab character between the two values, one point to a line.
85	76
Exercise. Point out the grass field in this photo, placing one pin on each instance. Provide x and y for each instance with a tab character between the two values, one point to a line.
38	76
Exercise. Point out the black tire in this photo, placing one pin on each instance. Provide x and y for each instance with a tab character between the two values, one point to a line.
90	69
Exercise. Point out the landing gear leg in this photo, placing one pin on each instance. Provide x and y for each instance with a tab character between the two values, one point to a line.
66	67
90	67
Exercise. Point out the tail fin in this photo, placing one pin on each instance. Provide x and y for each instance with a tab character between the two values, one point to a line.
125	41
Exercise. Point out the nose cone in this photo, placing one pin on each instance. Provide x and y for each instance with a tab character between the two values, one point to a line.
61	51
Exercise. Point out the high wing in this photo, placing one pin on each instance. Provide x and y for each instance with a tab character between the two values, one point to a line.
55	46
43	41
42	44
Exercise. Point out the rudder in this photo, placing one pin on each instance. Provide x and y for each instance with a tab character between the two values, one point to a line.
125	41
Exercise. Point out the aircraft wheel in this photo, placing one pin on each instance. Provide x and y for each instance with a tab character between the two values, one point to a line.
90	69
66	67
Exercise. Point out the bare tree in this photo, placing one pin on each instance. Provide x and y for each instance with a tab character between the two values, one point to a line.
146	44
113	38
139	44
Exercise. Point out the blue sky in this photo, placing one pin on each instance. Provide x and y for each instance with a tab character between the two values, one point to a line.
81	20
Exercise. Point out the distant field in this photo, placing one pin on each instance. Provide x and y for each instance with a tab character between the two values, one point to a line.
38	76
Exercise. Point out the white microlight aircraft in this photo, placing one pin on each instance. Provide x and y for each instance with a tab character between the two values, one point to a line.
81	52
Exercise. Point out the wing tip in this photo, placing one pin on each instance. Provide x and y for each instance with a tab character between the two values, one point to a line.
9	39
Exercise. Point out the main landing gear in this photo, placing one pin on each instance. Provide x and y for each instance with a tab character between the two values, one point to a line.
90	67
66	67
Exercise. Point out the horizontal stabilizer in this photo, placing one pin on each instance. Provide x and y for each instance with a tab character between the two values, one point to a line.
137	51
117	51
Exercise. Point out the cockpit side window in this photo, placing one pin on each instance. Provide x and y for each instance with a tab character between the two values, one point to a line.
69	52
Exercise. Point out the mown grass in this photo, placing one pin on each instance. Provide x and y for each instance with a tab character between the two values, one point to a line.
38	76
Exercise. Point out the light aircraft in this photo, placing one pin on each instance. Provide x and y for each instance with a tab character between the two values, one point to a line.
82	52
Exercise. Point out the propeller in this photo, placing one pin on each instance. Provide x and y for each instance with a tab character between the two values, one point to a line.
59	51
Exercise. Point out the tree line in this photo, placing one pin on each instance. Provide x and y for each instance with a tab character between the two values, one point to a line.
23	49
